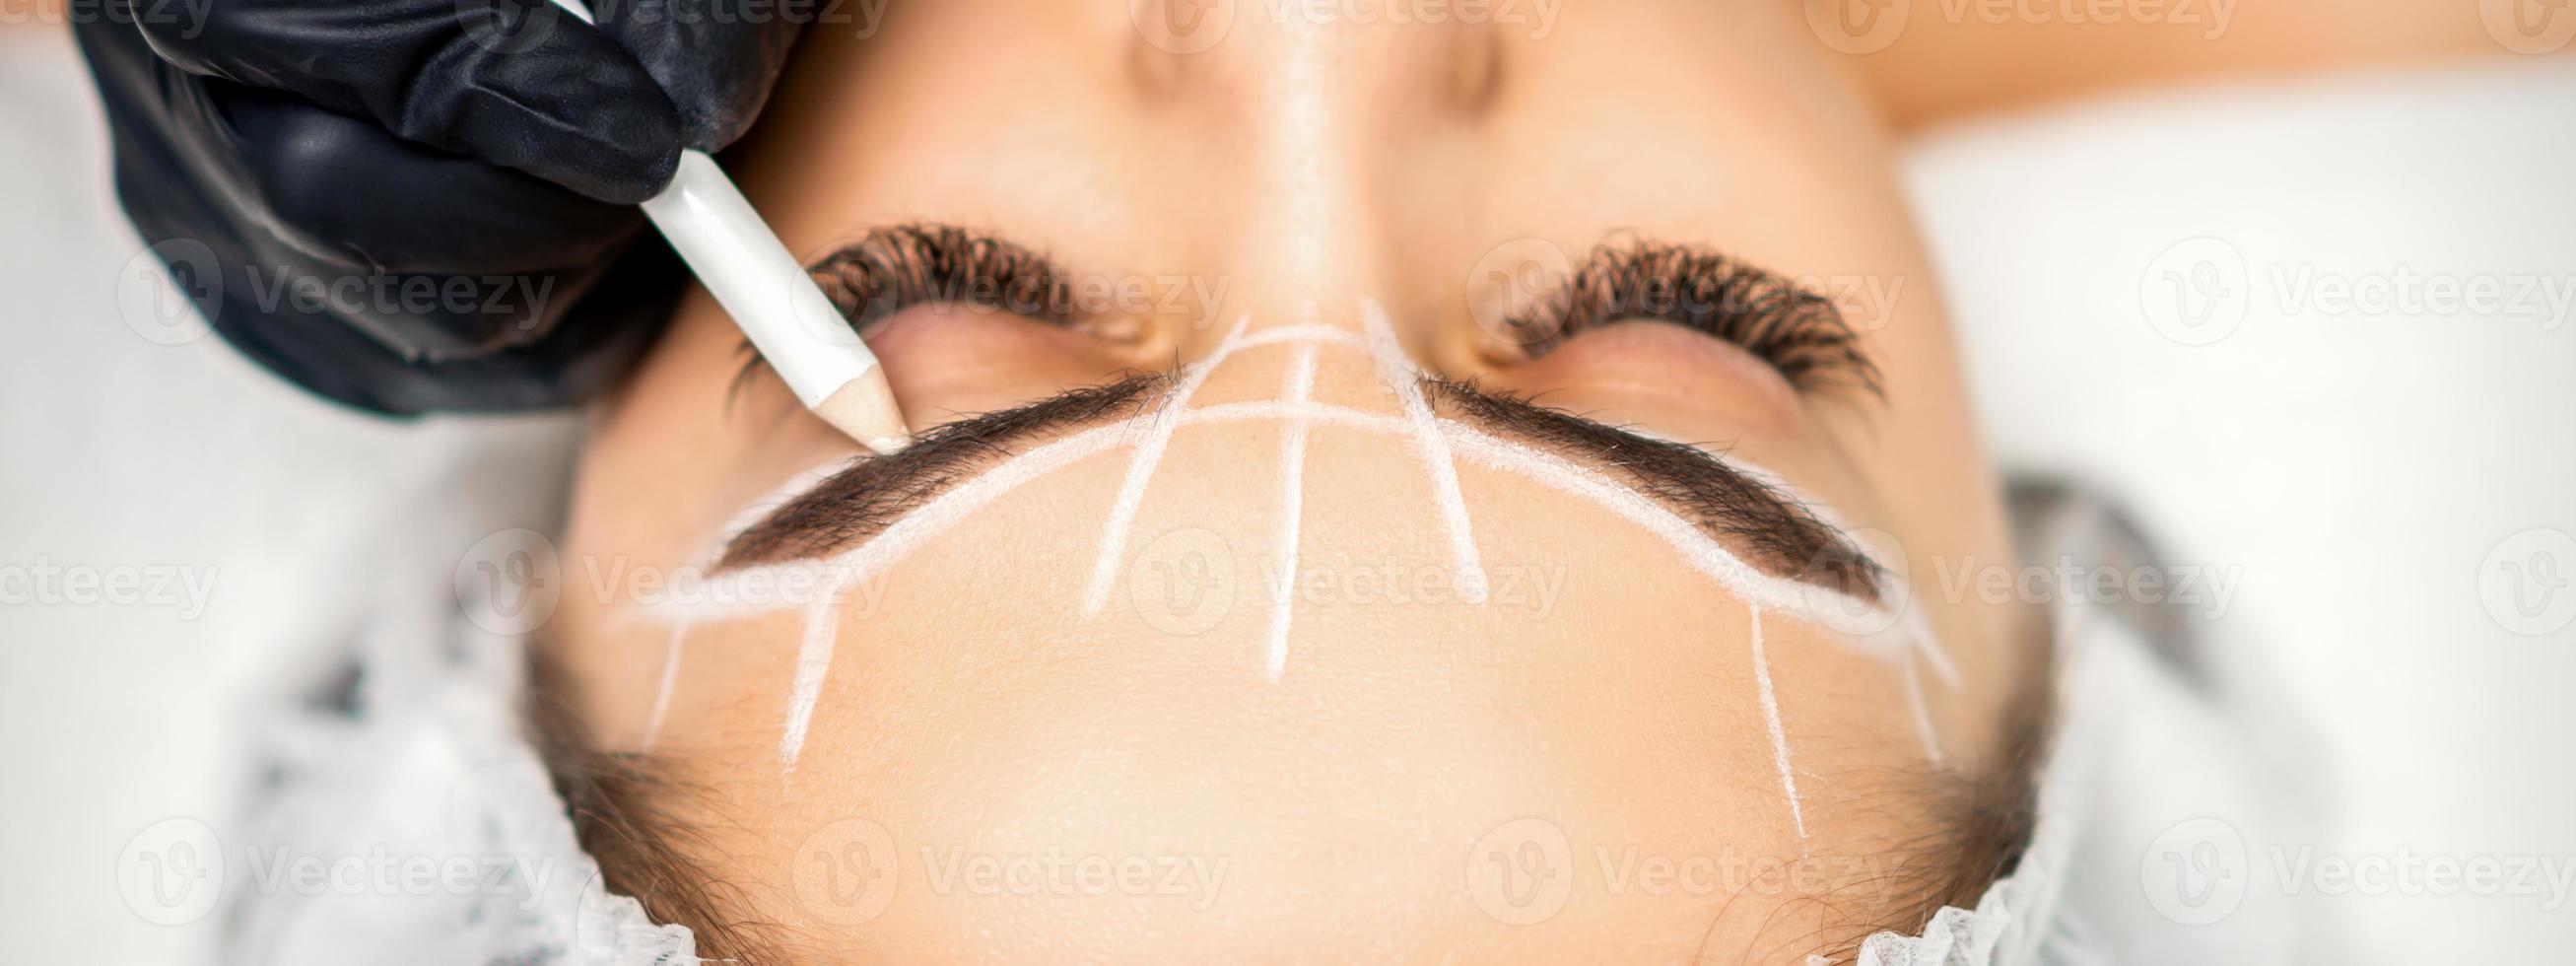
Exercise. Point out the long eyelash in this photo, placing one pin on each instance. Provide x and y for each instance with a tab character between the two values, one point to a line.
897	267
1797	331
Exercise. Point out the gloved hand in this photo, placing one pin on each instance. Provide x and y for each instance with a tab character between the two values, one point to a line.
408	205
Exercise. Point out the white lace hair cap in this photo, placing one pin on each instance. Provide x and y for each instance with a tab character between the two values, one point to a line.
2138	753
426	828
439	839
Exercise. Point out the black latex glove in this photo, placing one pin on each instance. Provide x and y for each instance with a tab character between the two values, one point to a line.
453	178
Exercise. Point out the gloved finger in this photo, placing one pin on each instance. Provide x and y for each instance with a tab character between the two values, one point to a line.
716	59
343	187
517	83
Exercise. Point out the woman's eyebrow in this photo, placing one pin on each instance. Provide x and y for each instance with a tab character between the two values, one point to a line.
860	502
1777	533
1776	530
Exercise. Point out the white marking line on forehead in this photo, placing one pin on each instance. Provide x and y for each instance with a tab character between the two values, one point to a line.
1140	471
670	680
1402	379
1779	733
813	663
769	502
1292	508
742	520
1807	601
1916	629
829	577
1814	604
1300	334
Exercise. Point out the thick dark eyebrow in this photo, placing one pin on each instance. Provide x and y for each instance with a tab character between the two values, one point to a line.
1778	534
860	502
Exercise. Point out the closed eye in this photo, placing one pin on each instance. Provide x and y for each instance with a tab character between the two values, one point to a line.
1797	332
896	267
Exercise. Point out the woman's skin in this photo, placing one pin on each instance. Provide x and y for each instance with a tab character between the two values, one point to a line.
1289	172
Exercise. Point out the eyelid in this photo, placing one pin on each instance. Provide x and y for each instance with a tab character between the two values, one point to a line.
1800	334
895	267
899	266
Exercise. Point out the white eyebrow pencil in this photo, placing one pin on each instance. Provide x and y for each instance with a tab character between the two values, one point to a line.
744	265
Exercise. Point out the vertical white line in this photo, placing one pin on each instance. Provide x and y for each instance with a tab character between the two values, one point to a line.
813	662
1140	471
1913	682
1779	734
670	682
1292	508
1433	449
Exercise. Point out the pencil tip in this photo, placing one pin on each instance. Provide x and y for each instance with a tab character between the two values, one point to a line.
864	408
